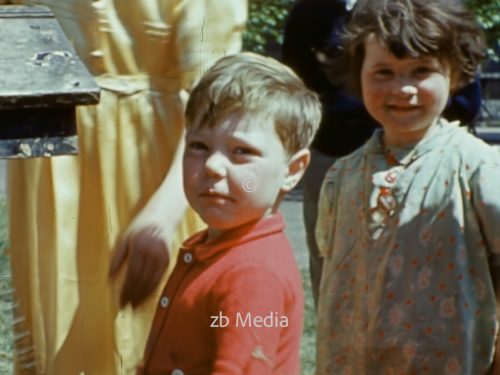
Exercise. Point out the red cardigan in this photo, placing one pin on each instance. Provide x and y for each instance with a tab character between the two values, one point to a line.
232	306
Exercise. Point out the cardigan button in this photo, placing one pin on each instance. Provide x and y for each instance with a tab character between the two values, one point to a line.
177	372
188	258
164	301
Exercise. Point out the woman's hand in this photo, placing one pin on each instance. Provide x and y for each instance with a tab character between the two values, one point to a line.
145	244
147	251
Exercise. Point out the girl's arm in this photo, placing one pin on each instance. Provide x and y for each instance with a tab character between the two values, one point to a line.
485	185
325	223
495	275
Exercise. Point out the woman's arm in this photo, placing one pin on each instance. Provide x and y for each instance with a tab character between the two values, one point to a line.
146	241
204	31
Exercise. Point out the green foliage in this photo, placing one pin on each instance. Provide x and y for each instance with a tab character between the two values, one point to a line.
266	21
488	14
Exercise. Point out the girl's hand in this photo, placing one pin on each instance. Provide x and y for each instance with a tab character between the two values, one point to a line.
495	368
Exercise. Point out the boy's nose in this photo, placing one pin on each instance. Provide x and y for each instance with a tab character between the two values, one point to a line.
215	165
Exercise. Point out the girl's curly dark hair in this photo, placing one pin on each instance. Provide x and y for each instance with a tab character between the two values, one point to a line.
412	28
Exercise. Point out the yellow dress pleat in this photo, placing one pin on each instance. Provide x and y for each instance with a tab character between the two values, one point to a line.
67	212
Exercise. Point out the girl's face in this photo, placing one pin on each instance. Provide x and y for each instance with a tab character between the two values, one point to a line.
406	96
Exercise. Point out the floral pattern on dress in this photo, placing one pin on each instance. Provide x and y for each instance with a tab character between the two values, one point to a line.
406	285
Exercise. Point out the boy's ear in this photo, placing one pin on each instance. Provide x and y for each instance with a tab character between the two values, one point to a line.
297	165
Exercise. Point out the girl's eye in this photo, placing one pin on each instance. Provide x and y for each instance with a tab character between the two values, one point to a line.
197	146
383	73
423	71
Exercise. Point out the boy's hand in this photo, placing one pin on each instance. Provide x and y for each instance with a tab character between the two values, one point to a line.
147	252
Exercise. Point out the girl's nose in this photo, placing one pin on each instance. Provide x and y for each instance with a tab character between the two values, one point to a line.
215	165
404	86
408	89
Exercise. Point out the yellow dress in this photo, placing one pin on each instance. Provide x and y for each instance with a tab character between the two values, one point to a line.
66	212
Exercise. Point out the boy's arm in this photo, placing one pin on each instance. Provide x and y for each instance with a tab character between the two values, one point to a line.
247	296
485	185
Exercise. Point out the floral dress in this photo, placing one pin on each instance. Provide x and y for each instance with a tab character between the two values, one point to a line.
408	236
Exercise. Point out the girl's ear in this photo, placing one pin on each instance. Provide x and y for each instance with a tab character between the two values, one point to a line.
297	165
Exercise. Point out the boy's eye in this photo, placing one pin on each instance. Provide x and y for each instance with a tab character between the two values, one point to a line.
243	151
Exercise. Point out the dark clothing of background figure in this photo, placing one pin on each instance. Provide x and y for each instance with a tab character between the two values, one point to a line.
313	29
315	26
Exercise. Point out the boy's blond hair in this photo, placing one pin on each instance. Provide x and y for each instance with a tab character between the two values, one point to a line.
414	28
259	86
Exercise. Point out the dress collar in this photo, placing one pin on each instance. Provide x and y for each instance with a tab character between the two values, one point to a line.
349	4
406	155
203	249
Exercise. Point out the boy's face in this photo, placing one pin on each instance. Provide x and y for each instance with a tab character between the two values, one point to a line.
406	96
234	171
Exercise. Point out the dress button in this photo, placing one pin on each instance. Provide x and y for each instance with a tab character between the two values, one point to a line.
188	258
99	4
177	372
97	53
164	301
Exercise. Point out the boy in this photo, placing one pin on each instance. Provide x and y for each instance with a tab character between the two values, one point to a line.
408	224
234	302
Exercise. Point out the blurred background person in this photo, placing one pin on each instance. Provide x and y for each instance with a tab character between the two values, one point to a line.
311	36
68	212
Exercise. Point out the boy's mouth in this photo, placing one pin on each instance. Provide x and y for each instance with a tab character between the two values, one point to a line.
216	195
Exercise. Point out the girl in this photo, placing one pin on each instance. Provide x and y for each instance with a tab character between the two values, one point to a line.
409	225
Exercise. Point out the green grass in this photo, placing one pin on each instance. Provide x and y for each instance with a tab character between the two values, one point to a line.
308	338
5	299
308	346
